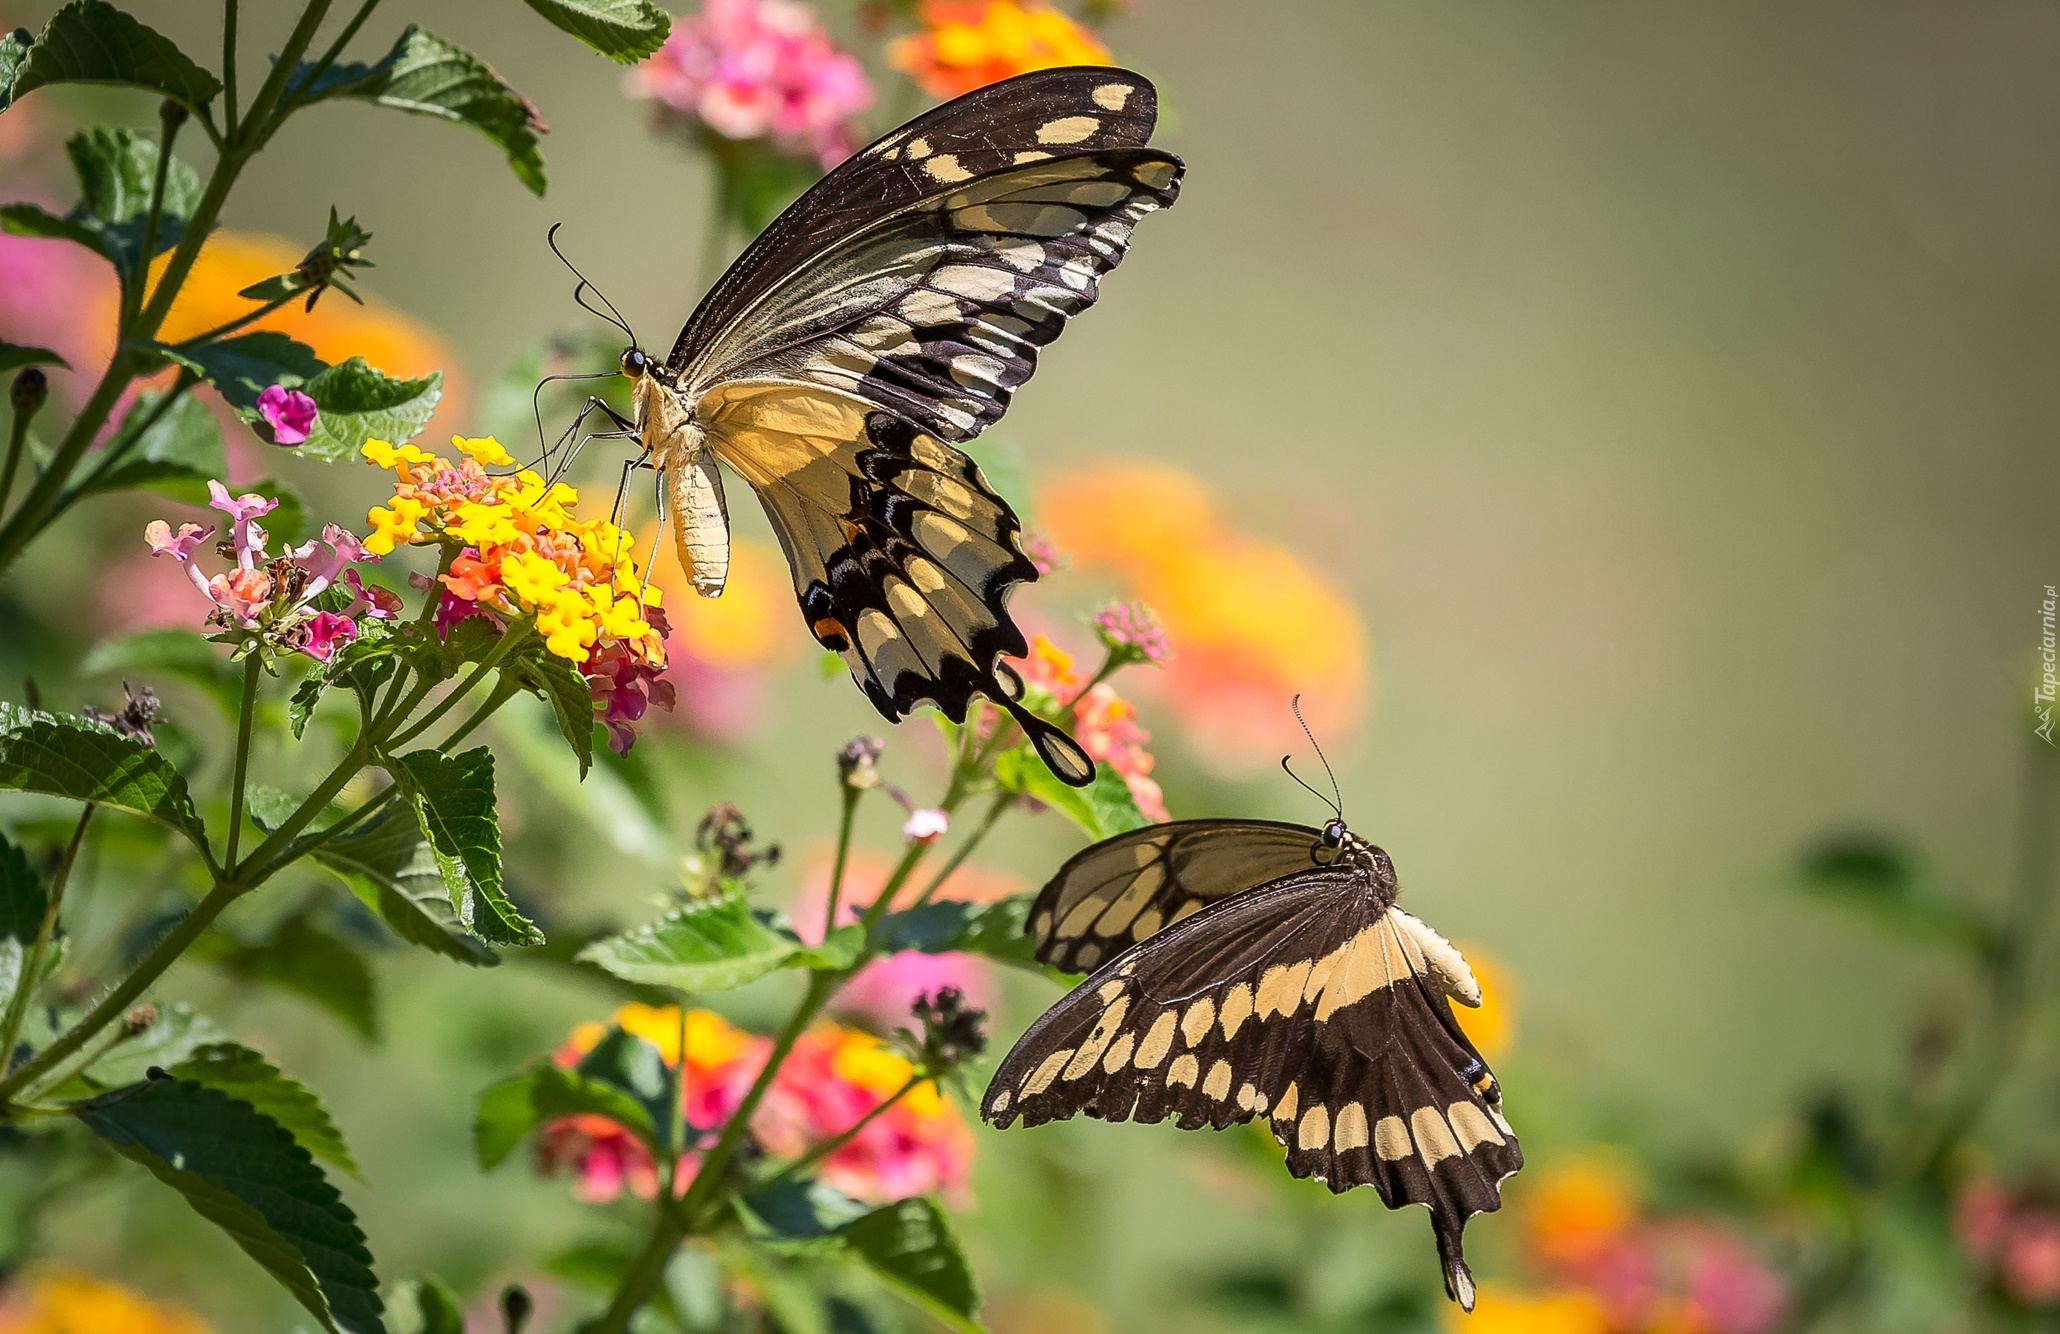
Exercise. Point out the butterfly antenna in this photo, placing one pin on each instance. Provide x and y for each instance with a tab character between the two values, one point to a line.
611	314
536	408
1336	801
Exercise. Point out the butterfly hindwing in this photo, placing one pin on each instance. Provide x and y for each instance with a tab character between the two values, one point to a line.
1311	1002
902	555
1046	111
1120	891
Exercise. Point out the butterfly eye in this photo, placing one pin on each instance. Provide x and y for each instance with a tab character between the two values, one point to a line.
1334	834
635	363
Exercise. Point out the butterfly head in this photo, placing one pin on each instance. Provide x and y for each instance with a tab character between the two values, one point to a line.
1334	835
635	364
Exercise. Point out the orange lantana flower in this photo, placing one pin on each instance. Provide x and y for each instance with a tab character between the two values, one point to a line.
968	44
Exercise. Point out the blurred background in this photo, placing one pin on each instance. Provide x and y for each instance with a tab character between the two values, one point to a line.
1631	425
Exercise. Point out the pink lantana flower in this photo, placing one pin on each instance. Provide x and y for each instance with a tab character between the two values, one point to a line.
180	546
925	824
327	632
751	69
1131	633
247	536
242	592
290	413
370	600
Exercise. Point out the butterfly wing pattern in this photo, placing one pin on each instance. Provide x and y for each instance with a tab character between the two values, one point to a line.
890	315
1311	1001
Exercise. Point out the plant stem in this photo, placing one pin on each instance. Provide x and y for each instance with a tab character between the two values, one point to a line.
503	691
31	973
1002	801
843	1137
245	713
255	127
495	656
327	59
17	445
115	1003
251	317
132	290
229	69
844	823
668	1229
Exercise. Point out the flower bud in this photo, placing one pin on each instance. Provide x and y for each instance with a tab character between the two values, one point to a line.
172	114
30	392
138	1019
858	762
516	1307
953	1032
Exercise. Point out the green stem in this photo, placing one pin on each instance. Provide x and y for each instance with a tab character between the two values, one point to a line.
668	1229
229	69
307	843
327	59
116	1003
843	1137
844	823
85	1061
132	290
224	330
29	517
17	444
246	712
504	690
31	973
259	123
266	856
1002	801
495	656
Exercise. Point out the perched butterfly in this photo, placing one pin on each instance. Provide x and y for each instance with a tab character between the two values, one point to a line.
883	319
1250	968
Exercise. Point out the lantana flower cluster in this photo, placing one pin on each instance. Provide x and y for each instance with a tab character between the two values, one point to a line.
761	69
2013	1237
514	547
833	1077
968	44
275	596
1104	723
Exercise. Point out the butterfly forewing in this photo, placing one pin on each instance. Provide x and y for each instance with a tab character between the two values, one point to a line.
1123	889
1049	111
1311	1002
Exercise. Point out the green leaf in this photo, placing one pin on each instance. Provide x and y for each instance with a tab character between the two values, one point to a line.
421	1304
117	170
180	1031
911	1245
170	652
432	77
453	798
248	1077
798	1212
242	1171
23	900
303	958
1879	877
633	1067
356	403
559	684
90	41
757	181
710	945
14	49
243	367
35	220
393	871
625	31
86	761
509	1110
947	926
1103	809
13	356
175	456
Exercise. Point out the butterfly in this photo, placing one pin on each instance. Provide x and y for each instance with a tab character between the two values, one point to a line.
1250	968
883	320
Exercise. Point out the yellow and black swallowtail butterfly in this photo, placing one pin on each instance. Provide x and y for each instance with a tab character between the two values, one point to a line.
1248	968
883	319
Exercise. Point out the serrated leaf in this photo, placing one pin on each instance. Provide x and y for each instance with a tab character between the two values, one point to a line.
117	171
1881	878
356	403
23	900
85	761
171	652
393	871
245	1075
243	367
429	76
625	31
14	356
242	1171
14	48
180	1031
90	41
948	926
559	684
453	799
174	457
910	1244
1102	809
35	220
711	945
511	1109
303	958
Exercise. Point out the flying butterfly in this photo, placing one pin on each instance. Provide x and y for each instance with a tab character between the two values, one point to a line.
885	318
1250	968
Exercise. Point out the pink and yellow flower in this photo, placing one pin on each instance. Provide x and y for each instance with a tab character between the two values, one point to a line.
968	44
1104	722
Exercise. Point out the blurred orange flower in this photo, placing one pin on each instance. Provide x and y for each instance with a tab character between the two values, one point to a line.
52	1299
1490	1025
1253	624
968	44
723	647
1575	1212
1499	1309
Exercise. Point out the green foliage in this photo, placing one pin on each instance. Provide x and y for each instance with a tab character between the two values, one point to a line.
1879	878
625	31
511	1109
174	455
90	41
243	1171
180	1031
910	1244
246	1076
756	181
453	798
341	252
14	49
393	871
14	356
432	77
301	957
86	761
184	654
116	170
357	403
798	1213
421	1304
23	899
242	367
709	945
947	926
1102	809
554	680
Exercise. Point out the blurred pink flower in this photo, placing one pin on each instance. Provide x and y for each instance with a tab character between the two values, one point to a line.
290	413
51	294
925	824
1043	553
2031	1258
2014	1234
1132	632
751	69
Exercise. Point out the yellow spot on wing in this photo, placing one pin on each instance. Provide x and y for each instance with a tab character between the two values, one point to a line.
1472	1125
1067	129
1194	1025
1351	1131
1391	1139
1280	989
1217	1085
1157	1042
1284	1110
1314	1132
1112	96
1184	1071
1047	1070
1434	1138
1119	1053
1237	1007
